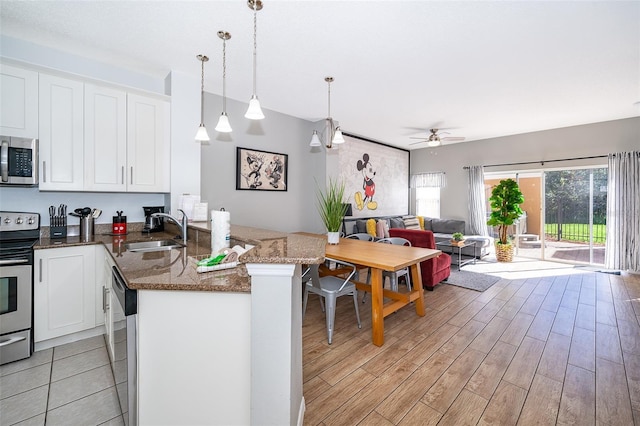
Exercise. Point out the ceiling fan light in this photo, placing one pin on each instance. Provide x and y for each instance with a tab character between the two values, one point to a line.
337	136
433	143
254	112
223	125
201	134
315	139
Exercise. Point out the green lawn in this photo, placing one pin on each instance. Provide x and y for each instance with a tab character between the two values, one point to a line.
577	232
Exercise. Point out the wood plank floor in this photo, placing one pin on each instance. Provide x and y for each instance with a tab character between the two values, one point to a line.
548	350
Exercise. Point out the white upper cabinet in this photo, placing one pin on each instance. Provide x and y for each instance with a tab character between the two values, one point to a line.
105	139
18	102
102	138
61	117
148	146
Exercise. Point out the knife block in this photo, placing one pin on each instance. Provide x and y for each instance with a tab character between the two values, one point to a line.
58	231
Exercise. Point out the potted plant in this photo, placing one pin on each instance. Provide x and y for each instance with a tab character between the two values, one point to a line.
505	210
457	238
332	208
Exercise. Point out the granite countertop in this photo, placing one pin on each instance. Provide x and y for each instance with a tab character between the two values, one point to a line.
175	269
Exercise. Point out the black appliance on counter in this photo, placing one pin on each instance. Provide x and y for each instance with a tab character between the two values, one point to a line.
153	224
18	234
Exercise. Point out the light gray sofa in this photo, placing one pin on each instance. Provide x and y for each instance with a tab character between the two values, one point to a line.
442	229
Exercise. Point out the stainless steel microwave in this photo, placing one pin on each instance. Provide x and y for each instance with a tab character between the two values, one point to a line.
18	161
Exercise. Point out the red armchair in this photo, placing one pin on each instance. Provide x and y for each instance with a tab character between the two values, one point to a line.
433	270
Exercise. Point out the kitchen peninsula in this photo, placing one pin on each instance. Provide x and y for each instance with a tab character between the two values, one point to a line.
222	347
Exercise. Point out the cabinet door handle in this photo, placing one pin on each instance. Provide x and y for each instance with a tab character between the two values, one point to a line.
44	171
122	177
104	299
131	175
40	262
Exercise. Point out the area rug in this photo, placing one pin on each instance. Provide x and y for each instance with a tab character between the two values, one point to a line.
471	280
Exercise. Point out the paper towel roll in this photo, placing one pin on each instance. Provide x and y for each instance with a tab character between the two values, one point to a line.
220	230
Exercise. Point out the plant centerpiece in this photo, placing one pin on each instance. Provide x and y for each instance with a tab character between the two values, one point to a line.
505	210
332	208
457	238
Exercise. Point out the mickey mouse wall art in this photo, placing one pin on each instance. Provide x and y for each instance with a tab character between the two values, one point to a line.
365	198
261	170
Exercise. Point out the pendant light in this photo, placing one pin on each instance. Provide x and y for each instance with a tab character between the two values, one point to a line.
201	134
334	135
223	125
254	112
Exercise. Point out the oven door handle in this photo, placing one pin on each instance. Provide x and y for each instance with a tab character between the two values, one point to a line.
13	261
12	341
4	161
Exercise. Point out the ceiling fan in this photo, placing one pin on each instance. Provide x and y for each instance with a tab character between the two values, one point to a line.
434	139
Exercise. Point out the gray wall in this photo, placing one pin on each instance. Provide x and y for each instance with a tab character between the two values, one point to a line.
569	142
290	211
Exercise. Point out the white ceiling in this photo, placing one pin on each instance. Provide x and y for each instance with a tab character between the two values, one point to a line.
481	69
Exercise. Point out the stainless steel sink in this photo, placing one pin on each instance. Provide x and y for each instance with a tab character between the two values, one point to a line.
153	245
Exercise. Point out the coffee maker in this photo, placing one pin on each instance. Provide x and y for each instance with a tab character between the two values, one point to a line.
153	224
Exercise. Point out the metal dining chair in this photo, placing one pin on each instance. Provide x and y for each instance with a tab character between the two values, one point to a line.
361	236
329	288
394	276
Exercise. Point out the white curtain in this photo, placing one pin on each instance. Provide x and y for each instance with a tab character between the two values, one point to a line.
623	212
477	202
429	180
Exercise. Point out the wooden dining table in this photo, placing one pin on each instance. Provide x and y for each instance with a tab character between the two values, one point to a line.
383	257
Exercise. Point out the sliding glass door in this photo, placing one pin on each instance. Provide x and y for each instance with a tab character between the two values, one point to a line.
575	215
564	214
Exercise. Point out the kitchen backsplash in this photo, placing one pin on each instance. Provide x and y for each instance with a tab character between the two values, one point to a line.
32	200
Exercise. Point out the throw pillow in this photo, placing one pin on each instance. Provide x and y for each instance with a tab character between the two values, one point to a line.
383	226
396	222
411	222
421	222
380	229
371	227
361	225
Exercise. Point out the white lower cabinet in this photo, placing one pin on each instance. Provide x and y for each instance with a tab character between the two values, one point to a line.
64	291
105	290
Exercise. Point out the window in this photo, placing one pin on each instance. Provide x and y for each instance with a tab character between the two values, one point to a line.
428	202
427	187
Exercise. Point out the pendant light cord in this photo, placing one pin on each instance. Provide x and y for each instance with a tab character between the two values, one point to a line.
224	75
255	43
202	94
329	99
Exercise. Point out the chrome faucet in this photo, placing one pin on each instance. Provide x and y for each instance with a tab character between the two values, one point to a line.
182	226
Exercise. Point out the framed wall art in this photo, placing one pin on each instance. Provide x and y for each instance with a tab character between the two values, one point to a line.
261	170
376	177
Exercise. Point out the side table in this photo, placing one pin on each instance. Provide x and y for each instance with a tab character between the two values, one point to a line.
461	261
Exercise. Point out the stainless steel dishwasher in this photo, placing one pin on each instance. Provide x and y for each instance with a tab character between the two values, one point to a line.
124	303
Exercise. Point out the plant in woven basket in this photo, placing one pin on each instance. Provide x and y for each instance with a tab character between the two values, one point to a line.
457	236
505	200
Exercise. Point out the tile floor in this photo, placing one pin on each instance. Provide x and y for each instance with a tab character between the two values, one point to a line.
67	385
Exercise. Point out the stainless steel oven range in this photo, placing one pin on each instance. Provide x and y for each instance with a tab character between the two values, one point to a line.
19	232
